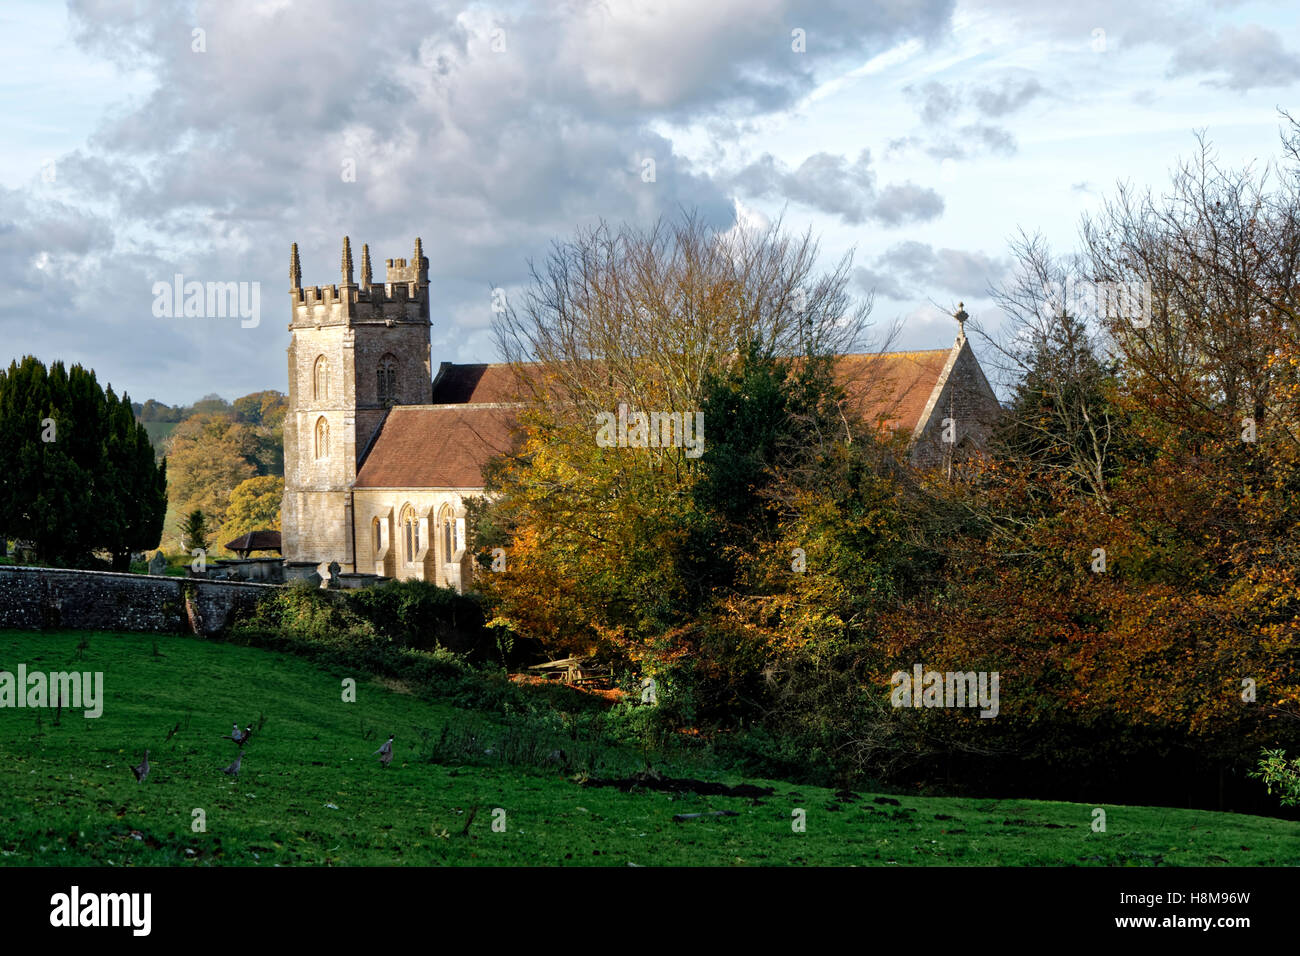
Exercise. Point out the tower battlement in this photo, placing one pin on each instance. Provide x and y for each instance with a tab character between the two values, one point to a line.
402	297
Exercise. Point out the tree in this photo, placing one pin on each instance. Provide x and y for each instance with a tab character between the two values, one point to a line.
254	506
81	475
654	320
194	531
208	456
1060	421
135	500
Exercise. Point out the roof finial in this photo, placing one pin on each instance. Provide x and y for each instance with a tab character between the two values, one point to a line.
961	318
365	265
347	261
295	270
419	253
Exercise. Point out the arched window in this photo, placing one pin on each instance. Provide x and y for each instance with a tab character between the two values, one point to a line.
410	533
451	542
444	531
387	375
379	538
321	380
322	438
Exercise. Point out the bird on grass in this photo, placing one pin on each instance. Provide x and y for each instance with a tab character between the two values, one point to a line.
386	751
142	771
237	736
233	769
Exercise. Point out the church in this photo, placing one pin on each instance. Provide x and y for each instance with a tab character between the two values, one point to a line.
381	453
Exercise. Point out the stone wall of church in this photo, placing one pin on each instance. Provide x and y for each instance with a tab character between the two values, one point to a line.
379	530
967	399
320	446
406	345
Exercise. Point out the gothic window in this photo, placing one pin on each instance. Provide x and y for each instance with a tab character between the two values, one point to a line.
322	438
410	533
450	539
321	380
387	375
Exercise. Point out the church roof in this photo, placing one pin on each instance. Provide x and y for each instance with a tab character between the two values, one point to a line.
891	389
447	444
436	446
474	384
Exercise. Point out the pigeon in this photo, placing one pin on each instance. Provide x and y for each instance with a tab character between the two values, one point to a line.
142	771
386	751
233	769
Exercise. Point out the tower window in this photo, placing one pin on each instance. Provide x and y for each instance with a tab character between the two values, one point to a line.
387	375
321	380
322	438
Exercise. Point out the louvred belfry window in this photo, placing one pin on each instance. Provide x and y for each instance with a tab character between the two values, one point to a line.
387	381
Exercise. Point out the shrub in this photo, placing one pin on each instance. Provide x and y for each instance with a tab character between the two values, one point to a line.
1281	775
421	615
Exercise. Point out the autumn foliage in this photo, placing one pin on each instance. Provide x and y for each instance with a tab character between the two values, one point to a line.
1125	553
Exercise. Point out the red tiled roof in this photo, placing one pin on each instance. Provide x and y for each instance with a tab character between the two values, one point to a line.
446	445
891	388
436	446
474	384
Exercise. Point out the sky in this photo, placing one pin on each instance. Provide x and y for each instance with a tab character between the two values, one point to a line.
147	139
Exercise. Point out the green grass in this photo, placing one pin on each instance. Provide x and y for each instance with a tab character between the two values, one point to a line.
310	793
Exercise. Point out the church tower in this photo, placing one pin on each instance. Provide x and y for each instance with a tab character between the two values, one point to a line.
355	350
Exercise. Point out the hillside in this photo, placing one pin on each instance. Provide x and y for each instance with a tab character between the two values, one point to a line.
311	793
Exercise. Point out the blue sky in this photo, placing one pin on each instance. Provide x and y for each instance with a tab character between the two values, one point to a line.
922	136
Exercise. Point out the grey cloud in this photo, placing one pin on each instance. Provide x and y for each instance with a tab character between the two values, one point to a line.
489	156
936	102
832	184
1245	57
908	269
939	103
1006	96
880	282
972	139
906	203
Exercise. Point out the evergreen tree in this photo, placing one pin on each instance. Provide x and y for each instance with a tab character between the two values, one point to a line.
80	475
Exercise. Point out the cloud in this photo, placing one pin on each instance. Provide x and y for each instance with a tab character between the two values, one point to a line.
489	133
911	269
936	102
1006	96
939	105
1249	56
831	184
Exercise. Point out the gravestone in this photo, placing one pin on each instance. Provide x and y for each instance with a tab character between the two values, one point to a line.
157	564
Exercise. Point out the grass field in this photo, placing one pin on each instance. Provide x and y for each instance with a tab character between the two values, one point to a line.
311	793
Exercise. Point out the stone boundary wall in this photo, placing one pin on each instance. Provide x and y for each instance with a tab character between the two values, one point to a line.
35	599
